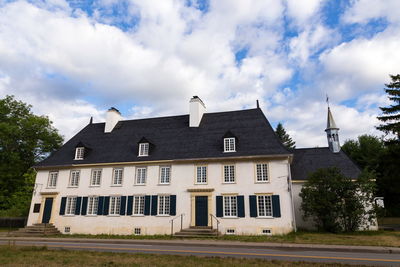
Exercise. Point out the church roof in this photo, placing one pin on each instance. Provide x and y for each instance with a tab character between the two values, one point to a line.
308	160
173	139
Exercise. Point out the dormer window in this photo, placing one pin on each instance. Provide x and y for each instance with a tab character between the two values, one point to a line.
79	153
143	149
229	144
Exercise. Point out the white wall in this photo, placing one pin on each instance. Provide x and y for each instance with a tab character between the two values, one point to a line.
182	179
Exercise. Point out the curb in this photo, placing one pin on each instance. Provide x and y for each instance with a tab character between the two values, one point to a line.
210	243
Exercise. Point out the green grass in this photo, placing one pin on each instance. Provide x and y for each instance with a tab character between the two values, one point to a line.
41	256
6	229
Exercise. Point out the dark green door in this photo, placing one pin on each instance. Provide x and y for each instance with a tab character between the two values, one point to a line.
201	211
48	204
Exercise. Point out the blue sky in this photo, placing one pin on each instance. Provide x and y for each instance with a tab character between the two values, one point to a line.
75	59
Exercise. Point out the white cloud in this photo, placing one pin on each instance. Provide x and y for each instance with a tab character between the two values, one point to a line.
363	11
302	12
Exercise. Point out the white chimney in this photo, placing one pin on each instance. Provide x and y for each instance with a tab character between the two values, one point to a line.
196	111
112	118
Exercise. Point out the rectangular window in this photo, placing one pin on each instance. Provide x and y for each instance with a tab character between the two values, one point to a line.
138	205
117	180
115	205
229	173
143	149
52	182
229	144
230	206
74	178
163	205
264	205
141	174
165	174
93	204
96	178
201	175
79	153
262	172
70	206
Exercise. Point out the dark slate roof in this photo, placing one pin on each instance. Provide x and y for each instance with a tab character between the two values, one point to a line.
308	160
172	138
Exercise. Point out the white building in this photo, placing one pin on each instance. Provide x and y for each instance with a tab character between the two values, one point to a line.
135	176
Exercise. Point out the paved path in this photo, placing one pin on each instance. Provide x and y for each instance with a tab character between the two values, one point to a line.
224	249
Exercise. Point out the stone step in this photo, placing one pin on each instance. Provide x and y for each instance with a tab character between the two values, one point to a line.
199	234
192	230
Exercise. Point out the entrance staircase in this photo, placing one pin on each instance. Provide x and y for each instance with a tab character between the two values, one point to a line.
197	232
37	229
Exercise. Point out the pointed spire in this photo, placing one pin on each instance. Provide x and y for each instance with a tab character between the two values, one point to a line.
330	121
332	133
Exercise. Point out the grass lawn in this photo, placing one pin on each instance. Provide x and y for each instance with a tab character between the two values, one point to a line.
363	238
33	256
6	229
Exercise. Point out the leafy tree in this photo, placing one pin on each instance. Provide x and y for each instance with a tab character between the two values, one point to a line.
336	203
25	139
284	137
391	114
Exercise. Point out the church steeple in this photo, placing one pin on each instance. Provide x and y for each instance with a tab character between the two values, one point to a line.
332	133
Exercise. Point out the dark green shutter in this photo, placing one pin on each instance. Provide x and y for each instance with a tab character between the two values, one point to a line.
106	205
100	206
123	206
62	207
240	205
129	206
253	205
78	205
172	206
276	206
147	205
220	208
84	205
154	205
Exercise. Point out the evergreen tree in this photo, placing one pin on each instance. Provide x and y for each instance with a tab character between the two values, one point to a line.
284	137
391	114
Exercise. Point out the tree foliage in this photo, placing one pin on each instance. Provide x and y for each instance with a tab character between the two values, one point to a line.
284	137
336	203
25	139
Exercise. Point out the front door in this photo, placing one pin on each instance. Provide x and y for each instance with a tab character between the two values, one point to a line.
48	204
201	211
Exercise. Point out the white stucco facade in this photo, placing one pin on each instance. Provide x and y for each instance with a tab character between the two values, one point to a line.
182	184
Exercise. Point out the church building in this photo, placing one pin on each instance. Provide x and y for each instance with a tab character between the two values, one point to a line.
223	171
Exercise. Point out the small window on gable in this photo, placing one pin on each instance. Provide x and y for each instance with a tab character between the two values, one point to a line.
143	149
229	144
79	153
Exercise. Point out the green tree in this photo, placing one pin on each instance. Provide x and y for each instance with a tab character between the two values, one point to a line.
25	139
391	114
336	203
284	137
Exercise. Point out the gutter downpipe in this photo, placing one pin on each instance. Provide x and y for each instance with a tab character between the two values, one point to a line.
291	195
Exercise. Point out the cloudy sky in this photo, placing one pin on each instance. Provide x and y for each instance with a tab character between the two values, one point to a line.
74	59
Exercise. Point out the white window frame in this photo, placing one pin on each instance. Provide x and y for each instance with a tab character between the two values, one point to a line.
138	205
95	179
118	176
164	205
52	181
201	174
144	149
165	174
79	153
141	175
74	178
265	209
115	206
230	144
229	172
92	205
230	206
262	172
70	205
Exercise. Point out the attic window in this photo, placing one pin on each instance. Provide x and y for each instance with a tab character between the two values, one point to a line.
229	144
79	152
143	149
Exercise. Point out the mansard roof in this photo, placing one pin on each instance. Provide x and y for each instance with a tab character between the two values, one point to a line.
173	139
308	160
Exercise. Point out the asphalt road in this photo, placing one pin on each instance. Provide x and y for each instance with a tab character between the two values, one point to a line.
364	258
